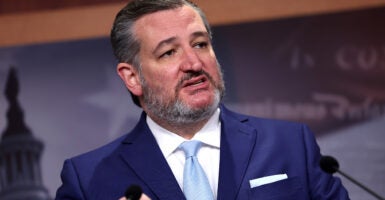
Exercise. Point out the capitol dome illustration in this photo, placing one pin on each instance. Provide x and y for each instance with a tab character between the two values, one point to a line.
20	152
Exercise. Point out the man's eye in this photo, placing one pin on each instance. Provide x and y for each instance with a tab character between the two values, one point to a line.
167	54
201	45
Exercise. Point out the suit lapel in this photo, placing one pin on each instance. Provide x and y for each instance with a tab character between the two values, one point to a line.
141	152
237	144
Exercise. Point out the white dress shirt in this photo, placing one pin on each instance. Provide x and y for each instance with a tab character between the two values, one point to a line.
208	154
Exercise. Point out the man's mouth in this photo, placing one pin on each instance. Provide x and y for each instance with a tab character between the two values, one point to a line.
196	81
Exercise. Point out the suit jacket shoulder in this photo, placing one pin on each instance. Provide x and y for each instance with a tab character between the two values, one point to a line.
106	173
255	148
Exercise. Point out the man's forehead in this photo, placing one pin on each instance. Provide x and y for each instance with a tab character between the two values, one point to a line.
167	21
182	11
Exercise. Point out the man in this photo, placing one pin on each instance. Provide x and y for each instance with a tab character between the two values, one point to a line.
169	66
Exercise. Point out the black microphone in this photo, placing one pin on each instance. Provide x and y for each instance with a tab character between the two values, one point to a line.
133	192
330	165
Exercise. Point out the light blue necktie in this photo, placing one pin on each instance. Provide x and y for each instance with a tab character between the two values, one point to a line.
195	183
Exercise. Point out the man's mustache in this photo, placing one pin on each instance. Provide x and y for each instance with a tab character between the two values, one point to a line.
189	75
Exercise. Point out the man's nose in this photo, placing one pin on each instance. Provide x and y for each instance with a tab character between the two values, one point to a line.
191	61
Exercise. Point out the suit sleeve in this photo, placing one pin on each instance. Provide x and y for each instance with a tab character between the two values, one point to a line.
70	188
323	186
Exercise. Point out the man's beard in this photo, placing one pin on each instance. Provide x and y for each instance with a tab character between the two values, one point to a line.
174	110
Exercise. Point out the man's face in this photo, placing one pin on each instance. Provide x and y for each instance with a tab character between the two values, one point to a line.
181	79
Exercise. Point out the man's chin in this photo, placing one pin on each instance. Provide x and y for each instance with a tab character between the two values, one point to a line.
203	107
198	101
199	106
202	102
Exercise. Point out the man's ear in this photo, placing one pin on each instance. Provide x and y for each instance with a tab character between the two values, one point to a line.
130	77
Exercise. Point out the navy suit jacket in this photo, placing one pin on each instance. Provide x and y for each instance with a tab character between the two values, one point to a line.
250	148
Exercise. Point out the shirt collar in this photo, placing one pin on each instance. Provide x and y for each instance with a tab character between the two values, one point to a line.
169	142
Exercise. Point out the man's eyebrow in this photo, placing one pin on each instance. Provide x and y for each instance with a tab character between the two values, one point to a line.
162	43
171	39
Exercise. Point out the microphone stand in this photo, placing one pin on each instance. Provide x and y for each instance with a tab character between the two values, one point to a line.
330	165
360	185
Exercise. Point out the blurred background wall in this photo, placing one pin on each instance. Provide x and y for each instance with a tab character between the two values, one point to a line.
35	21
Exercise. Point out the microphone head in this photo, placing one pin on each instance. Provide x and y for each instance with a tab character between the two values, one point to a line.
329	164
134	192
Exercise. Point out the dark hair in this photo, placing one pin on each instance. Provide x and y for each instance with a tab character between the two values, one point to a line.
125	45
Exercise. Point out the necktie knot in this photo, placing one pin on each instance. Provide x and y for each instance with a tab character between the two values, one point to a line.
190	148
